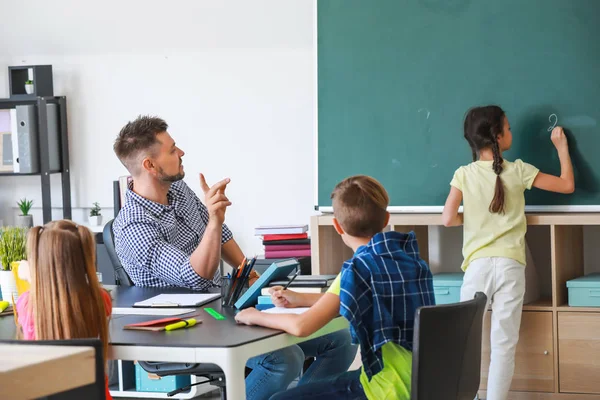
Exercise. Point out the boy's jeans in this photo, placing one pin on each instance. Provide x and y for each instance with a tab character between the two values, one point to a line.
345	386
273	372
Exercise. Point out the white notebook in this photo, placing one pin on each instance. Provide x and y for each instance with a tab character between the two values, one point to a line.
283	310
179	300
147	311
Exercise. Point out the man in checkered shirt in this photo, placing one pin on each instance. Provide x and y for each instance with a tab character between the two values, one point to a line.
166	237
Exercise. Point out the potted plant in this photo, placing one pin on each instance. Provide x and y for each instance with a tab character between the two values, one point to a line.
29	87
25	220
12	252
95	215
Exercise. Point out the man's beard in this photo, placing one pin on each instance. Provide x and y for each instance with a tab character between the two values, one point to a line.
169	178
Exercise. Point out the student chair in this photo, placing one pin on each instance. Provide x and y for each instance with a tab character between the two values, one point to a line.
94	391
212	372
447	350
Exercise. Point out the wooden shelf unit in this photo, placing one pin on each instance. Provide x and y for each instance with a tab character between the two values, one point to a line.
545	368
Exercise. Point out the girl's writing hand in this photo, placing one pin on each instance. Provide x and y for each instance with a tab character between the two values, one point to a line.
559	139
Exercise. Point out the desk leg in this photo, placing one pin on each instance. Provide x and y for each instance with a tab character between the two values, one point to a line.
235	379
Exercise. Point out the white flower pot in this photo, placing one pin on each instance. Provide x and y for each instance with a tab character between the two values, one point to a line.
25	221
96	220
29	88
8	286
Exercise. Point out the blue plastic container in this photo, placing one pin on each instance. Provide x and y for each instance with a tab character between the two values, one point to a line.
165	384
446	287
584	291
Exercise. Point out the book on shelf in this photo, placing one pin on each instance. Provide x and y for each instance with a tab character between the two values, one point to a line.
298	242
265	299
265	291
307	281
280	230
271	238
283	247
287	253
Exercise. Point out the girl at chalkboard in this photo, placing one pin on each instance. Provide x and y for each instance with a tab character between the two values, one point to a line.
492	192
66	300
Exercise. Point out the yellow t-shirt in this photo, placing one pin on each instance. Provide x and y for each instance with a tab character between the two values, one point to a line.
393	381
489	234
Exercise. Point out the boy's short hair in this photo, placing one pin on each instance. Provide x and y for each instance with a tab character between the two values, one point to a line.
360	205
137	138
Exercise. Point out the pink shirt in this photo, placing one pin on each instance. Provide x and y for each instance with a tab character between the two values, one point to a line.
26	319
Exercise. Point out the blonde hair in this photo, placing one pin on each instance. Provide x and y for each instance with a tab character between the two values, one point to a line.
360	205
66	299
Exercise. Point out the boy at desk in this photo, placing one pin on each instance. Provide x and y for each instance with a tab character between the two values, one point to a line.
378	291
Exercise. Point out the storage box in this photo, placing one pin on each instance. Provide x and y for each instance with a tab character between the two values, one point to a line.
584	291
145	382
446	287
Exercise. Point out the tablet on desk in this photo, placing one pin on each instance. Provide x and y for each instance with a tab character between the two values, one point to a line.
178	300
277	271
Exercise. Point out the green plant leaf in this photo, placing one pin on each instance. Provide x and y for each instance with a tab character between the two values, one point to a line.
25	206
13	241
96	210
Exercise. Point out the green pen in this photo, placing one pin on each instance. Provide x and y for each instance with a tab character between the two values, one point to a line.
214	314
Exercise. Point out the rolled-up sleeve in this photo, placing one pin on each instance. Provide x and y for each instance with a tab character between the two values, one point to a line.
145	248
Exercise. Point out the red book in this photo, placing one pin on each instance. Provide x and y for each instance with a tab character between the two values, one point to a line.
268	238
287	253
157	325
278	247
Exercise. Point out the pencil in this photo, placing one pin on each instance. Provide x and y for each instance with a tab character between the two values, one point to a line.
287	285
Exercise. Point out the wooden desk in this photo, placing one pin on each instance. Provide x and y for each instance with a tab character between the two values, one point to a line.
30	371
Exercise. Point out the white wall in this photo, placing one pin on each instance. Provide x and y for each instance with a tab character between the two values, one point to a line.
234	79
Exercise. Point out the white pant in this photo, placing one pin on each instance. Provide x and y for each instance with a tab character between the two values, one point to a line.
503	282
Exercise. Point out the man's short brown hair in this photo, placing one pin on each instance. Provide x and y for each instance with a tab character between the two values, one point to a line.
360	206
138	138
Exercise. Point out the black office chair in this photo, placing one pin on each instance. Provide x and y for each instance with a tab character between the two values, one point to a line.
94	391
447	350
121	277
211	372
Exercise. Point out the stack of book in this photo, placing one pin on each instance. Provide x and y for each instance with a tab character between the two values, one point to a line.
285	241
302	284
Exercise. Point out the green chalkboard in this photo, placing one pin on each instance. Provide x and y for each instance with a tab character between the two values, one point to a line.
395	79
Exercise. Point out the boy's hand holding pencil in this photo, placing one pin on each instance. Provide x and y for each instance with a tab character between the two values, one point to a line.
282	297
285	298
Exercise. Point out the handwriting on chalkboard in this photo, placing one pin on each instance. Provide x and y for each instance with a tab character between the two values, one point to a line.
553	124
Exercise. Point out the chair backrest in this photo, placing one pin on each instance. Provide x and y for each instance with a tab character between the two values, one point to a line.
121	276
447	350
94	391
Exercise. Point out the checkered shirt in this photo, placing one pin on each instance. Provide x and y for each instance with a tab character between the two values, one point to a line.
154	242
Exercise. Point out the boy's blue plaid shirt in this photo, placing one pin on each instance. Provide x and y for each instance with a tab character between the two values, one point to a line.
382	286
